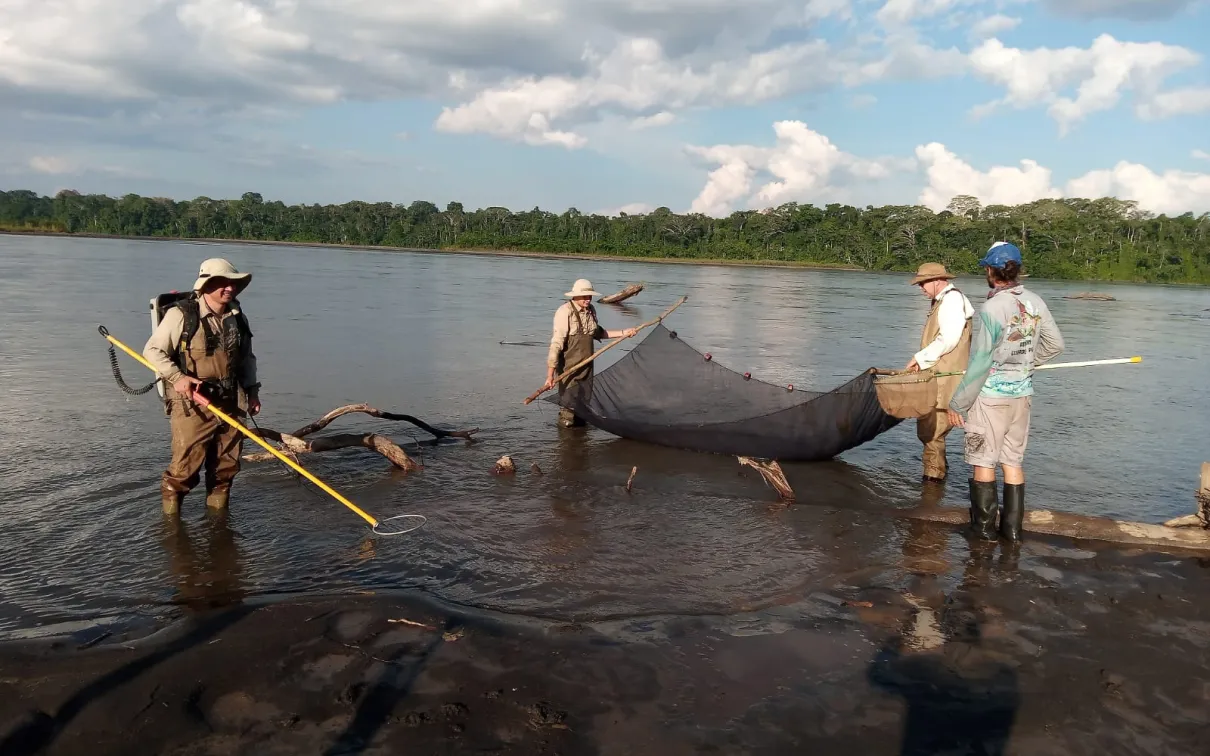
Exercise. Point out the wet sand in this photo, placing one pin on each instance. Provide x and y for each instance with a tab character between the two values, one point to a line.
1102	652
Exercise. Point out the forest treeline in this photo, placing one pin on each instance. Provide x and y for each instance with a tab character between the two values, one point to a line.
1105	239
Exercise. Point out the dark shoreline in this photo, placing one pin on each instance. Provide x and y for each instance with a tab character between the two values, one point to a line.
458	251
1103	652
708	262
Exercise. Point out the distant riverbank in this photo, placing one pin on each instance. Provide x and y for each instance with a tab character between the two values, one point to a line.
454	250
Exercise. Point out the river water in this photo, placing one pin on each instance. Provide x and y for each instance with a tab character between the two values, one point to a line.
420	333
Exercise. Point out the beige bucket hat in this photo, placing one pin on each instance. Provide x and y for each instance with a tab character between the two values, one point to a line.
581	288
217	267
931	272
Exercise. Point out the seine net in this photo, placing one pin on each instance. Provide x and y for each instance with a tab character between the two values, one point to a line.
907	395
666	392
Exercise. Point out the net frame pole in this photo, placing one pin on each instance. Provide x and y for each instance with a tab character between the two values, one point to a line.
201	400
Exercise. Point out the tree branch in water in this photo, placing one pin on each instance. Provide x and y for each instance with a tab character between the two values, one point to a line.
438	434
292	444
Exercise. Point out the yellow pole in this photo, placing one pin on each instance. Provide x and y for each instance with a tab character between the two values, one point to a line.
239	426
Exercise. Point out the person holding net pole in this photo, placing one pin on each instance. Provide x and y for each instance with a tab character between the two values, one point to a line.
1016	334
571	341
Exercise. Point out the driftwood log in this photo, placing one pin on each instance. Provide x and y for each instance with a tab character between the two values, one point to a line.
772	474
622	295
1201	518
1082	527
297	443
1092	295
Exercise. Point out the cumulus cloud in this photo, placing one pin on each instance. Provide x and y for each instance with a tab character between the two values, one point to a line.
634	208
1201	155
638	77
905	11
802	166
992	26
949	176
1172	192
1134	10
1178	102
1099	73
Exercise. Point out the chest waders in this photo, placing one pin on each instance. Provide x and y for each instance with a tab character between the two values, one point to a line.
576	348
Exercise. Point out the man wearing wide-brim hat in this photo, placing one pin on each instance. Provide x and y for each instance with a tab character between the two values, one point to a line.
571	341
944	348
205	338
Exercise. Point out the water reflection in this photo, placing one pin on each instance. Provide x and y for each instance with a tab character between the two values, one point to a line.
961	695
207	565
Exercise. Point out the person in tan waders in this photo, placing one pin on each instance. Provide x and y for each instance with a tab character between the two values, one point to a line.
205	337
945	346
575	329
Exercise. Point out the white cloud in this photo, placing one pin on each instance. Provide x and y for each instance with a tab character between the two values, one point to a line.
634	208
897	12
1134	10
862	101
635	77
1178	102
1172	192
50	164
948	176
803	166
663	118
806	167
1201	155
992	26
1100	74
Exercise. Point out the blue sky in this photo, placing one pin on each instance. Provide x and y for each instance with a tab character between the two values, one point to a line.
698	105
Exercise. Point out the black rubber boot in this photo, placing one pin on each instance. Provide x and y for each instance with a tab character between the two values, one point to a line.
1013	513
983	509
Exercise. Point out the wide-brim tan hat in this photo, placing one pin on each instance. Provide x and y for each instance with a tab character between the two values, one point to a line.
581	288
931	272
217	267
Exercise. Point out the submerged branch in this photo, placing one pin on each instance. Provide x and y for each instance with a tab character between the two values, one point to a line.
292	444
372	412
772	474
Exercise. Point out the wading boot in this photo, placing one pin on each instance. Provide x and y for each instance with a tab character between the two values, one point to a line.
1013	513
983	509
171	501
217	497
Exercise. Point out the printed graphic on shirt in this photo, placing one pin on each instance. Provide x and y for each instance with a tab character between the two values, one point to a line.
1021	328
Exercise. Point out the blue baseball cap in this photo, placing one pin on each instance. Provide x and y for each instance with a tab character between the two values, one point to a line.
1000	253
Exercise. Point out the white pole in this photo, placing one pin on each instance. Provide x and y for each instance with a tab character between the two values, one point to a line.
1122	361
1088	363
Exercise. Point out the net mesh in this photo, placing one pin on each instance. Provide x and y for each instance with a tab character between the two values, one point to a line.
666	392
908	395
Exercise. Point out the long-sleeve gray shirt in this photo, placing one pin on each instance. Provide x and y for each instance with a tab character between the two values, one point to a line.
1017	333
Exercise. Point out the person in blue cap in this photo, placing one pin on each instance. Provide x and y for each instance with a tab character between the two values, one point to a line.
1017	334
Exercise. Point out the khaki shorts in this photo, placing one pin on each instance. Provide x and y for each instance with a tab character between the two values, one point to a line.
997	431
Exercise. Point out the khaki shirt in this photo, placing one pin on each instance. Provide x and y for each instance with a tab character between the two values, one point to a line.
160	349
567	317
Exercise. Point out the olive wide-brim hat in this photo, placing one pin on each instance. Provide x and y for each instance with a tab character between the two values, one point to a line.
217	267
931	272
